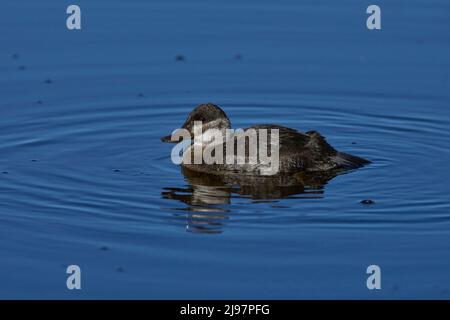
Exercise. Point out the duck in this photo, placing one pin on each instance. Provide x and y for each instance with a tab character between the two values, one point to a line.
298	152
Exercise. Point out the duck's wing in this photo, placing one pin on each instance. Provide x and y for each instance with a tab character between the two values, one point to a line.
288	137
309	152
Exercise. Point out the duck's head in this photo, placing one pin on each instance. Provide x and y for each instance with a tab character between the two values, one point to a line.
210	116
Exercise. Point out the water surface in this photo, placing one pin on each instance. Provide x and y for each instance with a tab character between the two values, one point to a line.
85	180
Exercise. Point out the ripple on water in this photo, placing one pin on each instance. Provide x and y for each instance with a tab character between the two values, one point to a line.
105	161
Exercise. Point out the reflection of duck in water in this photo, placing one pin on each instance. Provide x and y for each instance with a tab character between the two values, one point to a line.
298	152
208	195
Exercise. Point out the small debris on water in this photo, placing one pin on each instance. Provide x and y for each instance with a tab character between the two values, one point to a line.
180	57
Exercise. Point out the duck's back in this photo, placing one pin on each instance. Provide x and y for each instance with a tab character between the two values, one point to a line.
302	151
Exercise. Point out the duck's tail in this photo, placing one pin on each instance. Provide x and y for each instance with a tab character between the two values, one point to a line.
347	161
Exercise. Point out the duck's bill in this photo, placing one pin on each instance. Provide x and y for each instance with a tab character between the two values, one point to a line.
167	139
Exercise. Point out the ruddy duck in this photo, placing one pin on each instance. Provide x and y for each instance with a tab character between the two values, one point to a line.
297	152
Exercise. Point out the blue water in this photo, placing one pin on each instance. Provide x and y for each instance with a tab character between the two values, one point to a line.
85	180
